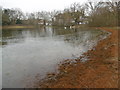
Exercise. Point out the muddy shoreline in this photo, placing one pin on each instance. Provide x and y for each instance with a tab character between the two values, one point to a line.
100	71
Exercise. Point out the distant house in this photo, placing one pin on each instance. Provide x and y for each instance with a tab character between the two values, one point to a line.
63	19
40	21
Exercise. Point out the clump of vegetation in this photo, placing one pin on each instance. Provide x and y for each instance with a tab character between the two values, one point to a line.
90	14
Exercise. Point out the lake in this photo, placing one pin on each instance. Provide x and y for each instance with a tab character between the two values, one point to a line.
30	52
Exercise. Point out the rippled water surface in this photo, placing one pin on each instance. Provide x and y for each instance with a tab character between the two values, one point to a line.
28	52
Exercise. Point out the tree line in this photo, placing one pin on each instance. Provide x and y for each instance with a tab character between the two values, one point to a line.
89	13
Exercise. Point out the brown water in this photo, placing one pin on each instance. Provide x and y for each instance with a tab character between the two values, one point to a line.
28	52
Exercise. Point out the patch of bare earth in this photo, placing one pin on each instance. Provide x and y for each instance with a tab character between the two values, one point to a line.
100	71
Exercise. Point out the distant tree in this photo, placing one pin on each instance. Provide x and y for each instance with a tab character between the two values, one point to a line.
5	17
0	15
45	16
102	13
91	13
52	16
118	10
77	12
11	16
74	15
31	18
18	21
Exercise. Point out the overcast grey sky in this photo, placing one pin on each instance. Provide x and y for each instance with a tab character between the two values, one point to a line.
38	5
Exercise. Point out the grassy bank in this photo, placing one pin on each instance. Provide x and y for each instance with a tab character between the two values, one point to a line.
100	71
17	27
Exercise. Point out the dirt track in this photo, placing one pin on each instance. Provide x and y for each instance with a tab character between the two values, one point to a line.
100	71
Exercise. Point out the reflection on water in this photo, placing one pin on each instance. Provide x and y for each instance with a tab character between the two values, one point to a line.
29	52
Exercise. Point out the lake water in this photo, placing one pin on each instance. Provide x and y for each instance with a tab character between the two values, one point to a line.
28	52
